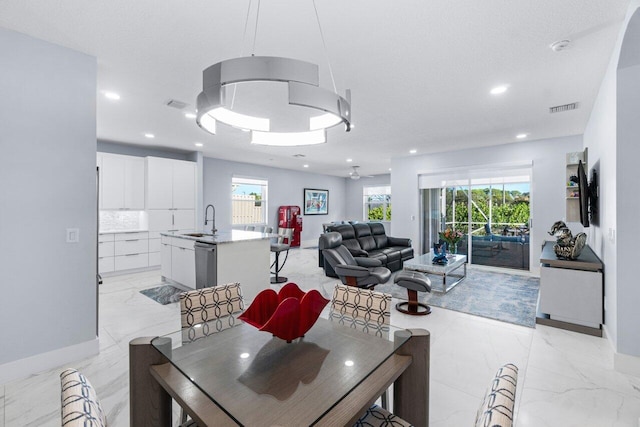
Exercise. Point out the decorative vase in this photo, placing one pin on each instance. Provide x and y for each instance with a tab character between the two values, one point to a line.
454	248
288	314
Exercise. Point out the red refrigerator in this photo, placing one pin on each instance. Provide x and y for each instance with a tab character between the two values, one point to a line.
290	217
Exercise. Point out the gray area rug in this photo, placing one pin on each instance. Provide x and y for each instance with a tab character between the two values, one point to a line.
507	297
163	294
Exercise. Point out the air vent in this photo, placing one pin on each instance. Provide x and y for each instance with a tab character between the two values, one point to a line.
176	104
299	155
565	107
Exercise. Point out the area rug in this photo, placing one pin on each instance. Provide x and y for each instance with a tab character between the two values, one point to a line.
506	297
163	294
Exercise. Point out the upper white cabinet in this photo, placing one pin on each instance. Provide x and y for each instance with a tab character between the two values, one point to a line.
170	184
122	182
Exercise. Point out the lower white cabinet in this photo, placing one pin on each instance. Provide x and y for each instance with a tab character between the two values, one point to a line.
183	266
124	251
178	260
128	262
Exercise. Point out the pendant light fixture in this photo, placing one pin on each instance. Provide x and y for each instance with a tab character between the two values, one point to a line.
225	81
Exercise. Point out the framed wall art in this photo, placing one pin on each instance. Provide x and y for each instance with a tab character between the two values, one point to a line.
316	202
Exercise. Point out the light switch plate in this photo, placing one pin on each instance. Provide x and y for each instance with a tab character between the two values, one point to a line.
73	235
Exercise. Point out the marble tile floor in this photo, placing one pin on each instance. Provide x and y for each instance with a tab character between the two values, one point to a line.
565	378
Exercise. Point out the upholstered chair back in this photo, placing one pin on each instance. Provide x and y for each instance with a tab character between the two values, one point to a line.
363	309
379	235
209	310
497	406
79	402
363	234
339	256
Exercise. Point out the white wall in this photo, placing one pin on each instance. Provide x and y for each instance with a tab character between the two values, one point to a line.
611	136
547	189
286	187
48	184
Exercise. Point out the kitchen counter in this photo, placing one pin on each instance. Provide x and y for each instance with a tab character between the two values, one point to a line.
236	256
122	231
221	237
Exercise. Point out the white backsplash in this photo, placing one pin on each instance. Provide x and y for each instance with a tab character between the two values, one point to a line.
123	220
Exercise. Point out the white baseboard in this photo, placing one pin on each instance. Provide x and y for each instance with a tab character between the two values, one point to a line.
23	368
626	364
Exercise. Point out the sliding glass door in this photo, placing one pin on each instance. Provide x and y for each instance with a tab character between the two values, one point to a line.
492	213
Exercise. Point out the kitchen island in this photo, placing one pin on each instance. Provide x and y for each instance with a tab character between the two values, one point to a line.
233	256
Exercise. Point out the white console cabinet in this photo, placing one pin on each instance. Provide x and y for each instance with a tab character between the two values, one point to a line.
571	291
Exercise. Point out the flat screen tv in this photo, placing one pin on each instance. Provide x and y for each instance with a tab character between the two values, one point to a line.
583	190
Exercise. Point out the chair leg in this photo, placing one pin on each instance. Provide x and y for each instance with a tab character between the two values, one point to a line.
278	279
385	399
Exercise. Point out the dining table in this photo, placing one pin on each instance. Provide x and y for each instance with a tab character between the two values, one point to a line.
241	376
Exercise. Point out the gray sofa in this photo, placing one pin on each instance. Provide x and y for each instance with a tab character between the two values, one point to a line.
365	240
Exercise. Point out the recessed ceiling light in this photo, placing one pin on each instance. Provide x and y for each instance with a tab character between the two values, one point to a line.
349	160
149	135
522	135
305	166
499	90
111	95
389	169
199	144
413	151
190	115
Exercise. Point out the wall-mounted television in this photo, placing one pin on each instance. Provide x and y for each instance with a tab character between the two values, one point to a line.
588	196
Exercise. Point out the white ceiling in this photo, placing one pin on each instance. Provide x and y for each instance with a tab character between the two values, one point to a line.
419	71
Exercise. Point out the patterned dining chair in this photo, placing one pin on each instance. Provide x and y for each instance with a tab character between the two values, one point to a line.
210	310
80	406
362	309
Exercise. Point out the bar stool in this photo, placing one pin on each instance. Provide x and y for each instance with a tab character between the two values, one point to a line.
278	247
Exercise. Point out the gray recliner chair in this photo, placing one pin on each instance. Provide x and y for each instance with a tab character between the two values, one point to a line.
360	272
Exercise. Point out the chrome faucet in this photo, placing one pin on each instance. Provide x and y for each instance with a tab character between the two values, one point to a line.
213	219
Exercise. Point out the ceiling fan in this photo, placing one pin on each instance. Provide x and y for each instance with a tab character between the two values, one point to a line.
356	175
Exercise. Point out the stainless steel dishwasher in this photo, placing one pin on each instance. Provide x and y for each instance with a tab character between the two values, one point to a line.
206	265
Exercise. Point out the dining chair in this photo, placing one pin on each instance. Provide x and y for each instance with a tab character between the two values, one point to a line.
79	402
496	408
362	309
210	310
277	247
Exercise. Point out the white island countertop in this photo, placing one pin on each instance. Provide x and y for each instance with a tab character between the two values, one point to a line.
221	237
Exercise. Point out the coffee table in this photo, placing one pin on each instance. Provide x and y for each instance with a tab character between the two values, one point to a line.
424	264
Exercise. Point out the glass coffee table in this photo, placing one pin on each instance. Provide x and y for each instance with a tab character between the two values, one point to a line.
424	264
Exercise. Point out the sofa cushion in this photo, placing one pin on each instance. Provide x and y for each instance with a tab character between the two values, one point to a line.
405	253
348	238
364	237
379	235
393	254
378	254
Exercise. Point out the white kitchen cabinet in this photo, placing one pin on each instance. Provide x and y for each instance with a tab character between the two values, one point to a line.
184	219
122	182
183	266
170	184
131	261
184	185
123	251
165	260
106	264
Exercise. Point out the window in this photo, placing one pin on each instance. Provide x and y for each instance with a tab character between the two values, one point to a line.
248	201
377	203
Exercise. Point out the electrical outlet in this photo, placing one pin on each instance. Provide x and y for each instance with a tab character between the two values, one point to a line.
612	236
73	235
